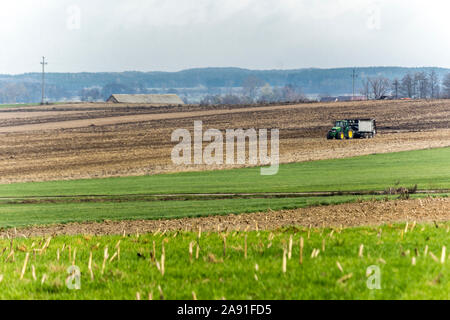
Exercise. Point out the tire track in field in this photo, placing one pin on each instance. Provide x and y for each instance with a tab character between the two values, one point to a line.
204	196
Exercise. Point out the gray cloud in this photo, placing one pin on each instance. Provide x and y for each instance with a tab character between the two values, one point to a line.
146	35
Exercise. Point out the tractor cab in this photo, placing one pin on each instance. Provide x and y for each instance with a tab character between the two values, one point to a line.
340	124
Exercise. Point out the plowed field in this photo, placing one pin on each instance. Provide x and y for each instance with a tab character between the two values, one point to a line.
101	140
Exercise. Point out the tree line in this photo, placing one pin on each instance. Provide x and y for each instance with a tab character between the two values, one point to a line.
231	85
255	90
28	92
419	85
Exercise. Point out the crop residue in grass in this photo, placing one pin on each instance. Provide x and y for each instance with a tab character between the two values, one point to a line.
163	264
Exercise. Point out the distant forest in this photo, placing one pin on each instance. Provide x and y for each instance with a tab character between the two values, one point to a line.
195	85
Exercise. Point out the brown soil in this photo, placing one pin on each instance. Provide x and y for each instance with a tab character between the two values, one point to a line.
344	215
102	140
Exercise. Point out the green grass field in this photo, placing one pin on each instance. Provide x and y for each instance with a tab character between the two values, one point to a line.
429	169
126	197
226	273
33	214
409	260
21	215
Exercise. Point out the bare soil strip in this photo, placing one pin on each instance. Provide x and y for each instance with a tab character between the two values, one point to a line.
370	213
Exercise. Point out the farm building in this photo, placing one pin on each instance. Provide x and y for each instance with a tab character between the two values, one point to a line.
156	99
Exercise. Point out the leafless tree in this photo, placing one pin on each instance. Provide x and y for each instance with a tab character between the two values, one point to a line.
291	93
379	86
211	100
250	87
365	89
231	99
90	94
446	86
434	84
267	93
395	88
14	93
407	86
421	85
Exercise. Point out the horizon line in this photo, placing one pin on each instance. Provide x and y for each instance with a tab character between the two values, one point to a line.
237	68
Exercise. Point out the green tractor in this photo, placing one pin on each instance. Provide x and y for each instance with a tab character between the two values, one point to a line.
343	129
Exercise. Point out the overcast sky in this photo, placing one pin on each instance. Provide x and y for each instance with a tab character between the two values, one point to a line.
170	35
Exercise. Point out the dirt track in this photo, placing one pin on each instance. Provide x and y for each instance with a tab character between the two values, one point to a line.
118	140
345	215
124	119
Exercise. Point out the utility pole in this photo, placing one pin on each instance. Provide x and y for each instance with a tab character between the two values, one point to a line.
43	79
354	76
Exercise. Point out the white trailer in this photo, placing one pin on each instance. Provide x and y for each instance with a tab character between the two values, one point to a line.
365	128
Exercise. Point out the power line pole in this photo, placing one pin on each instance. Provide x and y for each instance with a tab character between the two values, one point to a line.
354	76
43	79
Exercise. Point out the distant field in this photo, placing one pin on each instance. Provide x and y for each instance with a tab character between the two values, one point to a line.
407	259
34	214
19	105
130	198
426	168
98	140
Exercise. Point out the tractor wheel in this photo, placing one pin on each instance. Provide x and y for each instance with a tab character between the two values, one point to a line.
350	134
341	136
